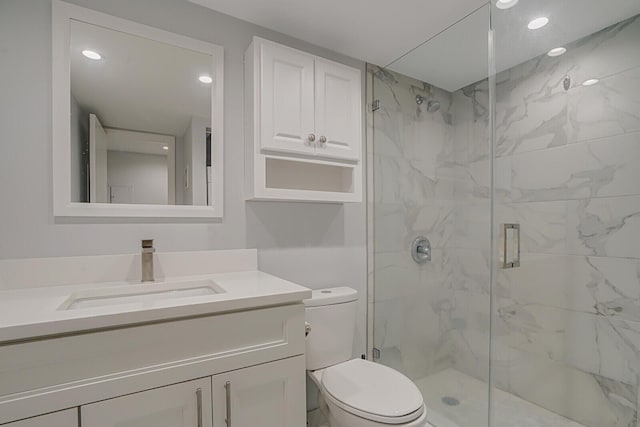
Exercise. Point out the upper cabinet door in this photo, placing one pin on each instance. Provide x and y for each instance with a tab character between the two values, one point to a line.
286	104
186	404
338	112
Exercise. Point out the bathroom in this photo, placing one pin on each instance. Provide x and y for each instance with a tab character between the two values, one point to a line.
481	202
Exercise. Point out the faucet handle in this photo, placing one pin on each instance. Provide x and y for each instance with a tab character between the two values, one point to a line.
147	243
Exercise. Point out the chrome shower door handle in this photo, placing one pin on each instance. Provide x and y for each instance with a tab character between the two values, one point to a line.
510	246
227	390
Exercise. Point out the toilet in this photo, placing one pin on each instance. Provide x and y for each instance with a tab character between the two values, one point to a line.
354	392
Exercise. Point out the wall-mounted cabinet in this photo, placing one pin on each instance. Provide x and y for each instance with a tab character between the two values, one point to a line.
303	130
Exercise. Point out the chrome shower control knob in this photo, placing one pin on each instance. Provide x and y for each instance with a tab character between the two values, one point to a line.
311	137
323	139
421	250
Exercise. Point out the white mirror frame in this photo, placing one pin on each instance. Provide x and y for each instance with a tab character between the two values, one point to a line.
61	126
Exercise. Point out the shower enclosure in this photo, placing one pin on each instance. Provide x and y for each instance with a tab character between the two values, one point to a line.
512	144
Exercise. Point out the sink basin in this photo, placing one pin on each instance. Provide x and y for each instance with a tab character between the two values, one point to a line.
145	294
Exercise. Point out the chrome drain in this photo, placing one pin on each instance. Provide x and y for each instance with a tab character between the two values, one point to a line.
450	401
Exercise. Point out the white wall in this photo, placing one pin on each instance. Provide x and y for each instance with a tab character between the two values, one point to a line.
147	173
312	244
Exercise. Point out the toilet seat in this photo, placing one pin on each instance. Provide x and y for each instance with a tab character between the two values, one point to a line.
373	391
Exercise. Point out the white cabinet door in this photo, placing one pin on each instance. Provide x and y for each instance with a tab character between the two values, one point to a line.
186	404
68	418
337	110
286	104
267	395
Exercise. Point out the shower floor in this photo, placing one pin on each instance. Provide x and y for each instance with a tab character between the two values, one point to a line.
471	407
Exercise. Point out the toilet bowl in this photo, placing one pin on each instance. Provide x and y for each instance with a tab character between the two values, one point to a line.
354	392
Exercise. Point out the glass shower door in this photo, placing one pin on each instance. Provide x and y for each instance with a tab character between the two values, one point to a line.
430	165
566	327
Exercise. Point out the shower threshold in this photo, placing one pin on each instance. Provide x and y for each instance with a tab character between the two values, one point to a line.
455	399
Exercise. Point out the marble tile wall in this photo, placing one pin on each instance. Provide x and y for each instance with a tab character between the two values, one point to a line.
567	325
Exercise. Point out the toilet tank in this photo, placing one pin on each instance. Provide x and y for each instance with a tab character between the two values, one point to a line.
331	313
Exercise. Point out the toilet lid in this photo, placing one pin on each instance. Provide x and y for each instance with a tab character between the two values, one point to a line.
374	389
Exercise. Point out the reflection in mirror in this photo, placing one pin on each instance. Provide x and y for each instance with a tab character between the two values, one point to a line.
140	119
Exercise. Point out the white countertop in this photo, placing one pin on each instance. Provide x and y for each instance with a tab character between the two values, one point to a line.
38	312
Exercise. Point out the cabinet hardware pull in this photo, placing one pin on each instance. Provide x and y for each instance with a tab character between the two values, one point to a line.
227	389
311	137
199	403
323	139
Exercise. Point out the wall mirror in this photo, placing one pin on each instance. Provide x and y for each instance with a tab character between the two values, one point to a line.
137	119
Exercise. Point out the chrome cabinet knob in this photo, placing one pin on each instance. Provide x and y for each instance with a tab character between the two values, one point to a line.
311	137
323	139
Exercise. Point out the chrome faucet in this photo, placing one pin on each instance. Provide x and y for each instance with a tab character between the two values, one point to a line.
147	260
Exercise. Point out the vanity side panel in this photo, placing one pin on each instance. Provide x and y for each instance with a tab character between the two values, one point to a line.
46	375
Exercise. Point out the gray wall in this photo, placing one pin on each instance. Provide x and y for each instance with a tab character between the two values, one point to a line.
313	244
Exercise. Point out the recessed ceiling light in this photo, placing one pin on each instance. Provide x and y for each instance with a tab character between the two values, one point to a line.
91	54
205	79
557	51
506	4
165	147
538	23
590	82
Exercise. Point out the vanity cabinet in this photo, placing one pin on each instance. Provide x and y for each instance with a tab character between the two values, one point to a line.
161	373
303	126
267	395
187	404
67	418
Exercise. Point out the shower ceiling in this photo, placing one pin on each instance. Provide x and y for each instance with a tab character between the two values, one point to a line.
458	56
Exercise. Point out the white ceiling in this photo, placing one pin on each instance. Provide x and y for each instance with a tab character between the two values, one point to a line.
139	84
381	32
376	31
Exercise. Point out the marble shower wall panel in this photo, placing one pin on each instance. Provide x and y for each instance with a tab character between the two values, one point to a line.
589	399
567	325
611	107
606	166
603	286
